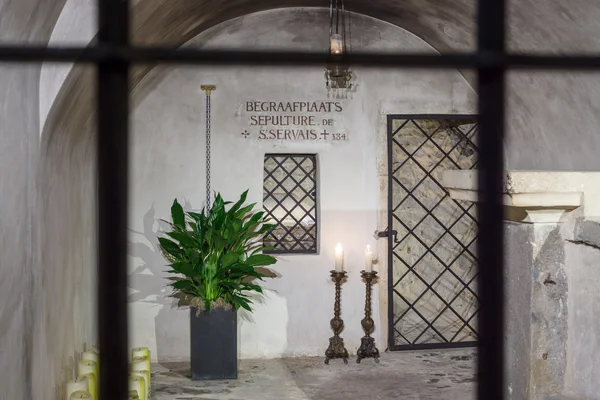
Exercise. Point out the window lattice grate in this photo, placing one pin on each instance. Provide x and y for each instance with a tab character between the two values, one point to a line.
290	200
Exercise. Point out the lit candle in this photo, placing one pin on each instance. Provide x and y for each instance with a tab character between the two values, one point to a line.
339	258
368	259
336	44
77	385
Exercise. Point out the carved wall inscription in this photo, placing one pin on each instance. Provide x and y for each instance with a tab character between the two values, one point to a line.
294	121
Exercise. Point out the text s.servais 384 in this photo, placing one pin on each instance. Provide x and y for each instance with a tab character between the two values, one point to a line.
294	120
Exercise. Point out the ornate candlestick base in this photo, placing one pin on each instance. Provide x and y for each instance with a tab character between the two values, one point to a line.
367	349
367	343
336	347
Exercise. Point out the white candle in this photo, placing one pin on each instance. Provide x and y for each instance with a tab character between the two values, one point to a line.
90	356
142	365
368	259
77	385
92	384
145	375
94	357
140	352
137	384
339	258
88	367
80	394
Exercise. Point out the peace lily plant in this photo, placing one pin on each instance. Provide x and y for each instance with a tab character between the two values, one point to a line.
214	255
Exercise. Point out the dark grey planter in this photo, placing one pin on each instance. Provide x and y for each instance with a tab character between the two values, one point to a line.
214	344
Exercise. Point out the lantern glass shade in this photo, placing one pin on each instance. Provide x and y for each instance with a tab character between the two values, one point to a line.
336	44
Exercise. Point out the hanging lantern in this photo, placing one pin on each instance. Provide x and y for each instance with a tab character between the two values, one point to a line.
337	74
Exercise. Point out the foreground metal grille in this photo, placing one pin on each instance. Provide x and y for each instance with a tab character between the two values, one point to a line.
113	54
290	200
433	267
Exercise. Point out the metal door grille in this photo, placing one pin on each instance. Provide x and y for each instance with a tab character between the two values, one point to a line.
290	200
432	267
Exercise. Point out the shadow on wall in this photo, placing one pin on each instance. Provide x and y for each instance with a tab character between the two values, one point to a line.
150	282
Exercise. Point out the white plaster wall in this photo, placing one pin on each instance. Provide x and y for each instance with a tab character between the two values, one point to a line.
168	162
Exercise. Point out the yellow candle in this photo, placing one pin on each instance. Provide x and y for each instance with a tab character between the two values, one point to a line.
339	258
137	384
92	384
140	352
80	394
75	386
145	374
133	396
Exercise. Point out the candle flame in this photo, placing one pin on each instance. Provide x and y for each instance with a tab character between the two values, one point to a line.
368	247
338	247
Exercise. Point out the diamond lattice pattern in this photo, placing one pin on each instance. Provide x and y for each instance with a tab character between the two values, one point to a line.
434	260
289	199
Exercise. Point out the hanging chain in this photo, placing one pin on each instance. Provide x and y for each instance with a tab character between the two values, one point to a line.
208	89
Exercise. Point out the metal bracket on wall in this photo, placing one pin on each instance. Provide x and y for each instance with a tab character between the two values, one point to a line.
386	233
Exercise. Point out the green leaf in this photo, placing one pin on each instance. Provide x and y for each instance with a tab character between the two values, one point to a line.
229	258
262	249
182	284
184	239
178	215
171	247
184	268
260	260
241	213
239	203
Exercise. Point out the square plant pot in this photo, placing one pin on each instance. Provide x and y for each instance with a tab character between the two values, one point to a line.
214	344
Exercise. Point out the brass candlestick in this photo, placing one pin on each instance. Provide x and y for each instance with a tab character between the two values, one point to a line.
336	347
367	343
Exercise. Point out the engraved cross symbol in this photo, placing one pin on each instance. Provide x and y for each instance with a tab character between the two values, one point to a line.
245	134
324	134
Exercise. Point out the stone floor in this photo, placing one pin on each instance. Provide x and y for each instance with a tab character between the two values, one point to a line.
419	375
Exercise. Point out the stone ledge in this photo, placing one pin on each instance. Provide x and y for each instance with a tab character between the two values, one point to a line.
533	196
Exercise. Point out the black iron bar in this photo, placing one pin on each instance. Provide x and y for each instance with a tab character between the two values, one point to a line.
390	226
173	55
112	163
490	249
